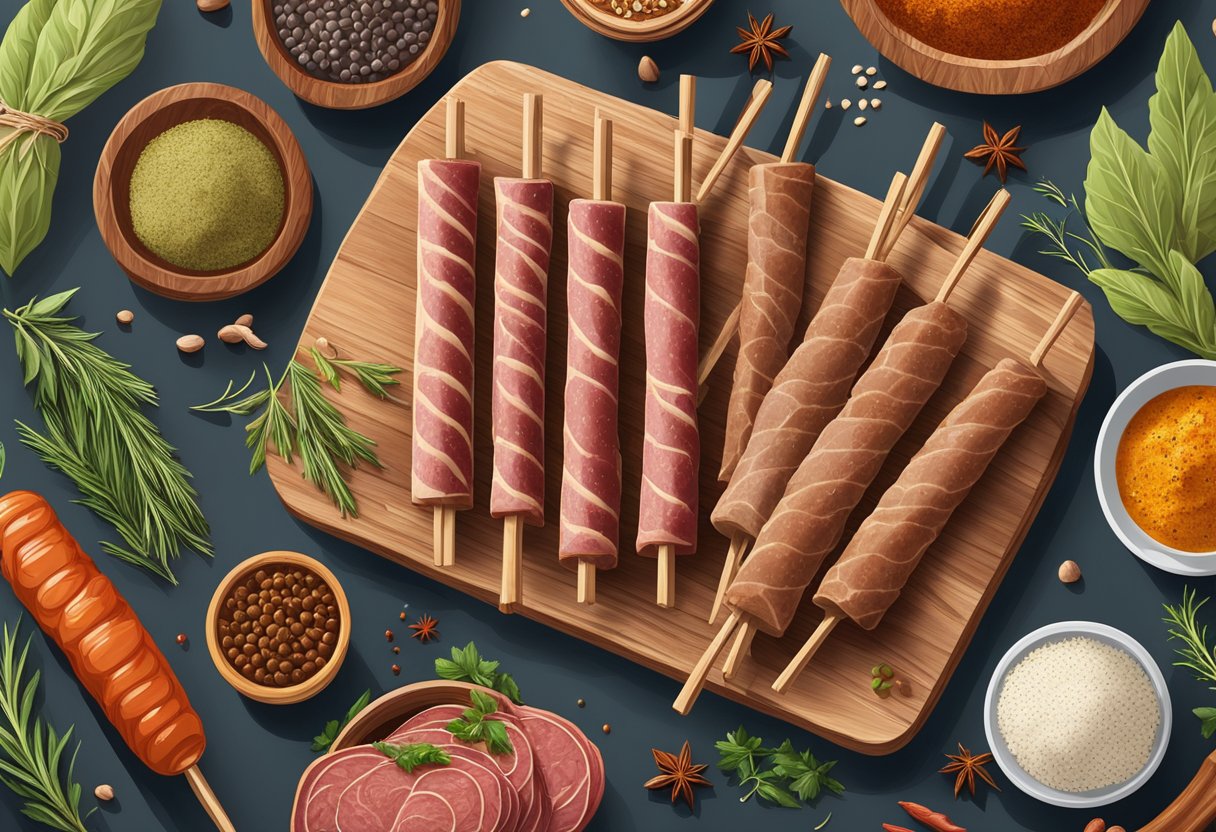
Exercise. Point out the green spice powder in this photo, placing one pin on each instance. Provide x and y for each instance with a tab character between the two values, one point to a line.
207	195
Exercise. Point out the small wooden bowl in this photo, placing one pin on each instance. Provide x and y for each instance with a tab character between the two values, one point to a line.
386	714
642	31
1108	28
306	689
112	189
336	95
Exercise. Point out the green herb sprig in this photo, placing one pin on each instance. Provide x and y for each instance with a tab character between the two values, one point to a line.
467	665
32	753
1156	206
473	726
410	757
321	742
297	420
98	435
775	774
1195	653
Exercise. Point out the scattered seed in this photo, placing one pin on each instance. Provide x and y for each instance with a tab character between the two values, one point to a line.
388	635
871	71
860	120
1069	572
845	103
211	5
648	70
396	669
244	320
607	729
190	343
880	85
827	105
857	69
875	103
181	638
402	615
396	650
525	12
104	792
322	345
863	82
125	317
862	104
582	703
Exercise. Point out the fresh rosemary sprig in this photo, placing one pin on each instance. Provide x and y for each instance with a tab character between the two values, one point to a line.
97	434
306	424
1060	239
1195	653
31	751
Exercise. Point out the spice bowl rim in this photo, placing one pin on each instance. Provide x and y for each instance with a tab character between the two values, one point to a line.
175	282
1109	27
309	687
1151	384
336	95
617	28
1058	632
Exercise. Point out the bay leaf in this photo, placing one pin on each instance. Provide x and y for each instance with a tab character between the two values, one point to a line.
18	48
28	173
1144	301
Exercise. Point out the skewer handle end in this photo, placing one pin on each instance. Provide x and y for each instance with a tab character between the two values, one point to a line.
696	679
586	582
512	562
211	804
454	135
666	595
808	651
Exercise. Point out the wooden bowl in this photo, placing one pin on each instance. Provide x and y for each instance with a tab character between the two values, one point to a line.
306	689
386	714
112	189
642	31
1108	28
338	96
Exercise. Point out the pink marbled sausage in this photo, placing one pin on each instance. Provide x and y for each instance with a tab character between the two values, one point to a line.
780	199
521	289
591	465
828	485
808	393
672	444
886	550
443	333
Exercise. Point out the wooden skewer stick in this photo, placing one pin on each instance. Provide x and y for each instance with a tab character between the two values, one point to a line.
739	544
601	190
1056	329
438	536
979	235
886	217
806	108
211	804
741	647
665	595
696	679
808	651
454	135
760	96
916	188
511	589
729	329
449	536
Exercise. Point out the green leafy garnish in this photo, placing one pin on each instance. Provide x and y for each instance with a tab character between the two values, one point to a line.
1196	655
787	773
306	424
325	739
467	665
472	725
410	757
31	751
98	435
1157	207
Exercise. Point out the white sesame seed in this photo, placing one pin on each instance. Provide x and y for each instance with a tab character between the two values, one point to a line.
871	71
860	120
875	103
880	85
827	105
845	103
862	82
857	69
525	12
862	104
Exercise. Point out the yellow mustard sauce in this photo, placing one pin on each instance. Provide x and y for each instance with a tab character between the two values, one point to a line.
1166	468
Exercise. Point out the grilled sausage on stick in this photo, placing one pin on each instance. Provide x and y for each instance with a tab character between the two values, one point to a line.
521	294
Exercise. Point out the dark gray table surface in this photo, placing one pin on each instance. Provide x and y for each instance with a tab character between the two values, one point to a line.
256	752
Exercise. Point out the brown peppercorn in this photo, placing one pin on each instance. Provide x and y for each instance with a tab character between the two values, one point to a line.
396	651
582	703
607	729
181	638
402	616
388	635
396	670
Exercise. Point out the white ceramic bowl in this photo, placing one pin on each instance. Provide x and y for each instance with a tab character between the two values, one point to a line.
1005	759
1139	393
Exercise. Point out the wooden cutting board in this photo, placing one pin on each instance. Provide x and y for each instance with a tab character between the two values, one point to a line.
366	308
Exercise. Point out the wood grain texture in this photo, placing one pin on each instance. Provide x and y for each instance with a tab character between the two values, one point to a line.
366	308
336	95
1195	808
637	31
1104	33
112	189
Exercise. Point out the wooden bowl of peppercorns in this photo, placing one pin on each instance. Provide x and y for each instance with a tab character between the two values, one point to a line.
278	627
638	21
353	54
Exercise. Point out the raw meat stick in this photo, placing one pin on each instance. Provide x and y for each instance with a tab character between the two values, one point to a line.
591	464
667	518
442	471
521	293
910	516
829	484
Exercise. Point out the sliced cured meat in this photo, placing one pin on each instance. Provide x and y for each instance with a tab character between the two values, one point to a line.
828	485
808	393
572	766
486	768
778	223
442	436
521	290
454	798
671	455
591	459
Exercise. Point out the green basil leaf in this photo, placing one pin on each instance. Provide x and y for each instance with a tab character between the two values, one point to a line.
1194	299
1125	202
1183	118
18	49
29	170
1144	301
776	794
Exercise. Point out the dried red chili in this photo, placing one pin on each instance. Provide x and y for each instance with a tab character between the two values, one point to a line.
934	820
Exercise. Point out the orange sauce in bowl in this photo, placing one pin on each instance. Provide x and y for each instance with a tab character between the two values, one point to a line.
1166	468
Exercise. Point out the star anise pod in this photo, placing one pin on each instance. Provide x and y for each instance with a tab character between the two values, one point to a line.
679	773
425	629
966	767
998	151
761	41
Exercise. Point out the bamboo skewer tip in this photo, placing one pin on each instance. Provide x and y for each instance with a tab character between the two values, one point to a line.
696	678
917	183
533	135
666	588
739	650
886	217
730	568
794	669
586	581
601	189
454	132
725	336
806	107
980	232
1062	319
756	102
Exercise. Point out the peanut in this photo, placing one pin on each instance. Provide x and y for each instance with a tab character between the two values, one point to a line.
648	70
125	317
1070	572
190	343
211	5
104	792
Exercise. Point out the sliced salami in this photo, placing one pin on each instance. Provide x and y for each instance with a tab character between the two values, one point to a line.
571	765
